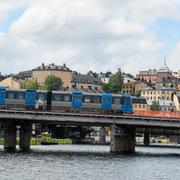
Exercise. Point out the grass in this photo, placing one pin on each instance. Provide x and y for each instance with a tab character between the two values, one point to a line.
38	141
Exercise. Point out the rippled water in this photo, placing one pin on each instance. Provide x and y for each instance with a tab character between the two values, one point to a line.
79	162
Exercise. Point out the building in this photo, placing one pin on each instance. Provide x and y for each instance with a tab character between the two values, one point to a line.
105	77
156	76
40	73
128	78
164	73
129	88
2	77
139	86
149	76
161	93
24	75
139	103
165	105
87	82
10	83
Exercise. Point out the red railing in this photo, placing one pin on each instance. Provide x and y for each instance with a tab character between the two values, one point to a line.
157	114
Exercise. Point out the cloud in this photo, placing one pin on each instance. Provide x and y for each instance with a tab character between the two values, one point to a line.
87	35
173	58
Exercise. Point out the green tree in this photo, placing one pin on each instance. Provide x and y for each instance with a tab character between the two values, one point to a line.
29	84
53	83
155	106
115	84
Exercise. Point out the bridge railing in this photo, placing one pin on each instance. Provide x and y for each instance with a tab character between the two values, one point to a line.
95	112
52	109
157	114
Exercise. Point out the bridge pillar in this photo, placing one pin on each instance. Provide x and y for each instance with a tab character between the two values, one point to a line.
9	136
146	138
102	135
122	139
25	136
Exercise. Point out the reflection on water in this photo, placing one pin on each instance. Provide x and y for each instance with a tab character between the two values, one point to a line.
89	162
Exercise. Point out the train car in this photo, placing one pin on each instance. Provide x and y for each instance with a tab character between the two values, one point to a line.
41	100
30	99
126	104
56	100
2	97
15	98
61	99
91	101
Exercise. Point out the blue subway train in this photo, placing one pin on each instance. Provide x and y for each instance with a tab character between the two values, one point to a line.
52	100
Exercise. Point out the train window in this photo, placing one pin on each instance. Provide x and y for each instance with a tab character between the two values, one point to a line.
10	95
126	100
57	97
41	96
87	99
109	100
20	95
66	98
96	99
77	99
104	100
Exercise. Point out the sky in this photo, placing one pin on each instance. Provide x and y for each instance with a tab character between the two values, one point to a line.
97	35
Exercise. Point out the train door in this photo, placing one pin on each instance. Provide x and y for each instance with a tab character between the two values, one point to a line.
2	96
106	101
30	98
77	100
49	100
126	104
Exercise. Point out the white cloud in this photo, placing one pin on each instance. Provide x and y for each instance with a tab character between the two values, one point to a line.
173	59
87	35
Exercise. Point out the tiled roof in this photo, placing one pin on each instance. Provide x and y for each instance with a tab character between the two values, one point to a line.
86	78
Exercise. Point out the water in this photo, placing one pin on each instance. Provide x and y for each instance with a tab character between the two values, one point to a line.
79	162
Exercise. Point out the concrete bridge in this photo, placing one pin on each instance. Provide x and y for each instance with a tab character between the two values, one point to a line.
124	127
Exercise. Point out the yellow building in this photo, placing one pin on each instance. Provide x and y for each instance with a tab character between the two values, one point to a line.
40	73
159	94
129	88
140	103
10	83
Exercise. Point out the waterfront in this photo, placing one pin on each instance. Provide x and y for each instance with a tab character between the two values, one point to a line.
89	162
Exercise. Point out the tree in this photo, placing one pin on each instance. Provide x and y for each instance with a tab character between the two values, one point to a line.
155	106
29	84
53	83
115	83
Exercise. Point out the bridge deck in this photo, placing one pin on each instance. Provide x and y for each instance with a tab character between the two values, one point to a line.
89	119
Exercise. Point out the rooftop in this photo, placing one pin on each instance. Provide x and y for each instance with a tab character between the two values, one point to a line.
86	78
53	66
164	68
